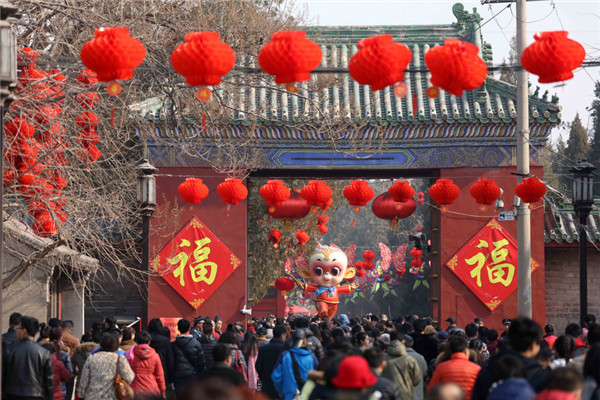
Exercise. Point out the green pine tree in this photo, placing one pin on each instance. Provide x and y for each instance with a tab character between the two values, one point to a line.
578	144
594	153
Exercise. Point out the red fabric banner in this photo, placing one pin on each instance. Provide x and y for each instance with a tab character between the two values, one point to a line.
487	264
195	263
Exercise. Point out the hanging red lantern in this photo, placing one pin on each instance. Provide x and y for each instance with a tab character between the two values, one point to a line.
295	207
19	128
232	191
274	236
86	99
358	194
553	56
323	228
485	191
274	193
87	78
323	219
113	55
302	237
444	192
530	190
401	191
316	193
44	225
456	66
87	120
290	57
369	256
284	285
193	190
203	59
379	62
385	207
87	138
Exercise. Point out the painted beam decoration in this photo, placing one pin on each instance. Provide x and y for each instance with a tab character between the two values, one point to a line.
487	264
195	263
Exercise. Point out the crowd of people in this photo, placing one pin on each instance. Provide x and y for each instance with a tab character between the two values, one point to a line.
301	357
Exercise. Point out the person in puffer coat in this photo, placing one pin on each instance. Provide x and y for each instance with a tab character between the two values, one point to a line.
458	369
149	377
188	356
61	374
402	369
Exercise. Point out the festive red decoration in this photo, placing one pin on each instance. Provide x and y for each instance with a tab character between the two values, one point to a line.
19	128
295	207
444	192
284	284
530	190
87	120
274	192
87	78
232	191
323	228
369	256
289	56
274	236
193	190
552	56
361	272
203	58
456	66
358	194
485	191
421	198
401	191
379	62
385	207
302	237
316	193
86	99
323	219
44	225
113	54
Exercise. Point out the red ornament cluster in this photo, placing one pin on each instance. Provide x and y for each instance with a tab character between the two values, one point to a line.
358	193
87	120
193	190
302	236
485	191
530	190
444	192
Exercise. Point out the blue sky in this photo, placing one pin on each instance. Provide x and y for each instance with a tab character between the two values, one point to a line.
580	18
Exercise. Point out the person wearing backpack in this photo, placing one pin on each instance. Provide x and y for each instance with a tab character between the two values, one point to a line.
188	356
291	371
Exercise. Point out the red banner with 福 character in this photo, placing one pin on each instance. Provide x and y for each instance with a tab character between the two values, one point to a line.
195	263
487	264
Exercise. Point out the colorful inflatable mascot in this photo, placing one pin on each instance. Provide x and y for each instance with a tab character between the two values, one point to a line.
327	268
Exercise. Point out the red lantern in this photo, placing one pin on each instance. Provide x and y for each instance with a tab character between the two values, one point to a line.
203	59
316	193
193	190
87	138
530	190
284	285
87	120
379	62
113	55
86	99
385	207
444	192
552	56
485	191
323	219
232	191
290	57
358	194
44	225
87	78
401	191
19	128
295	207
456	66
302	237
274	193
323	228
369	256
274	236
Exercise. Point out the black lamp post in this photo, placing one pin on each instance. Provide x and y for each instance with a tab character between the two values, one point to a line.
146	197
583	201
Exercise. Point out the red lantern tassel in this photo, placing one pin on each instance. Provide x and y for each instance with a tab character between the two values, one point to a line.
203	122
227	217
353	221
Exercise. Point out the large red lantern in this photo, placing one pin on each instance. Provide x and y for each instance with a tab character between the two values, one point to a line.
358	194
316	193
530	190
113	55
44	225
456	66
401	191
385	207
552	56
274	193
284	285
379	62
19	128
444	192
193	190
274	236
293	208
485	191
290	57
232	191
203	59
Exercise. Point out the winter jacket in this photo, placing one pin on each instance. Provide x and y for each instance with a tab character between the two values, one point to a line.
188	356
208	343
591	390
162	345
555	395
127	345
458	370
283	374
550	339
426	345
388	389
61	374
511	388
97	380
80	354
149	376
70	341
265	364
27	371
235	354
402	369
10	337
419	392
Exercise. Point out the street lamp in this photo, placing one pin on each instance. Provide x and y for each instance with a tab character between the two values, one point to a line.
146	197
583	201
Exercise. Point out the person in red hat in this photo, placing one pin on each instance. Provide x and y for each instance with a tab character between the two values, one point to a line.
353	375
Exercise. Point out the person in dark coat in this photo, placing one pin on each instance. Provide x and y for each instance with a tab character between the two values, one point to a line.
188	356
27	366
10	337
268	355
221	367
162	345
388	389
208	341
425	342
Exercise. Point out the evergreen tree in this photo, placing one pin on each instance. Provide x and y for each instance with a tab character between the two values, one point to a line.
578	144
594	154
508	72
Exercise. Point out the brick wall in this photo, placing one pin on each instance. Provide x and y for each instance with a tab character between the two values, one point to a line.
562	285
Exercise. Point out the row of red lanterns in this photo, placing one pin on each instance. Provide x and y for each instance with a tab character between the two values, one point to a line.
203	59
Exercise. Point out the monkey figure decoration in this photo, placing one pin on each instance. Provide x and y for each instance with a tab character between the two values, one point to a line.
327	268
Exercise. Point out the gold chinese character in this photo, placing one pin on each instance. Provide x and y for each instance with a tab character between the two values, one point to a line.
500	271
182	260
203	271
478	259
